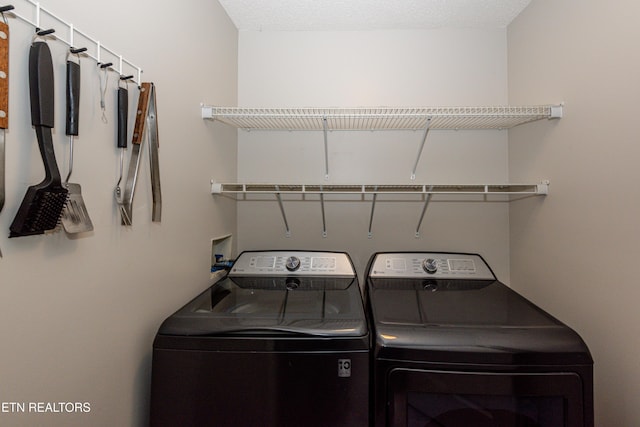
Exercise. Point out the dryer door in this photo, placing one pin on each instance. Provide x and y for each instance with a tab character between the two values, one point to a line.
462	399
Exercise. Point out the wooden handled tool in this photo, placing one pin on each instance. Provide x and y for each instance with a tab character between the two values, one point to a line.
4	102
136	144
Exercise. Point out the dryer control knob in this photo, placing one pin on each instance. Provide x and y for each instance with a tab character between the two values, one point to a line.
292	263
430	265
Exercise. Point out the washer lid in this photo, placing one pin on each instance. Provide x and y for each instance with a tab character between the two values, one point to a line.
462	321
292	306
452	303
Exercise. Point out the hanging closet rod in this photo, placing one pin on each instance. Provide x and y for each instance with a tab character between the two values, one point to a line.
97	53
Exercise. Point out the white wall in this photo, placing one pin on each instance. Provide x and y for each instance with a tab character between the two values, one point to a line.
576	252
78	315
376	68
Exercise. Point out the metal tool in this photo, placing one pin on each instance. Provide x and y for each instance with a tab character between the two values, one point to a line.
154	145
134	161
145	126
75	217
123	115
42	205
4	97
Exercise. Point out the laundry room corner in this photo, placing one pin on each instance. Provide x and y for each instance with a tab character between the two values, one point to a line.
574	252
423	211
79	312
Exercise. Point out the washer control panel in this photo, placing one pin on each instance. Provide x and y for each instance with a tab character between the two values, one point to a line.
284	263
437	265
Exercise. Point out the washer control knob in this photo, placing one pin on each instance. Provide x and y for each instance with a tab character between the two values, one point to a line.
292	263
430	265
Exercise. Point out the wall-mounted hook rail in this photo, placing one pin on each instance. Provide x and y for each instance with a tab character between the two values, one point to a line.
38	11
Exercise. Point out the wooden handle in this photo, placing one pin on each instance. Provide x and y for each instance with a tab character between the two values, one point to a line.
141	113
4	75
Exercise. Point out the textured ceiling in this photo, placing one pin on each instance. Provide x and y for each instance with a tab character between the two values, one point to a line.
321	15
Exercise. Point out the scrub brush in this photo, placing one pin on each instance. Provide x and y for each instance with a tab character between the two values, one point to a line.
42	205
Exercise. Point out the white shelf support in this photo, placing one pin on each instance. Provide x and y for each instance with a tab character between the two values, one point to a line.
207	112
284	216
427	199
324	222
373	207
424	139
556	111
543	188
326	148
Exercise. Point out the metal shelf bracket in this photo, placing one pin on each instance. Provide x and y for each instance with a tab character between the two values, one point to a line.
207	111
543	188
427	199
373	207
284	216
324	222
555	111
326	148
424	139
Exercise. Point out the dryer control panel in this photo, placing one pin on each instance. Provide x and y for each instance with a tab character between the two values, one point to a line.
296	263
436	265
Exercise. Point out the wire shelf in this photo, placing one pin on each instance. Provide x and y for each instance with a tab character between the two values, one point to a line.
424	191
380	118
472	189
